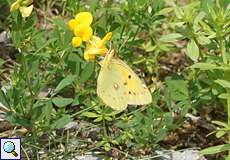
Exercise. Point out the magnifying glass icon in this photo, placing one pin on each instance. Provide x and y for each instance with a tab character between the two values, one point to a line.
9	147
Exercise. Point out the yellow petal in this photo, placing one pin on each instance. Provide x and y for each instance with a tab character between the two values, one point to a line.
104	40
83	31
95	39
89	57
27	2
76	41
91	50
107	37
95	51
72	24
26	11
96	46
14	6
85	18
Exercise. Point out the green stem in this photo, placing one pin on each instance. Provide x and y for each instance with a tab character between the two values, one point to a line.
122	31
28	82
104	127
104	123
83	110
228	105
222	51
135	34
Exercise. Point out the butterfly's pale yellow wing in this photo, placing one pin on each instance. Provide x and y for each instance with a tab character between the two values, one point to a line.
118	85
109	87
136	89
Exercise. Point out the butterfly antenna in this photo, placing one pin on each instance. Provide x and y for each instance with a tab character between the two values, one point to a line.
112	50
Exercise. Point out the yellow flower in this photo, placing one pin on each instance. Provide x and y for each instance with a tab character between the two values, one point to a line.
26	11
80	26
27	2
84	18
24	7
96	46
83	31
76	41
72	23
15	6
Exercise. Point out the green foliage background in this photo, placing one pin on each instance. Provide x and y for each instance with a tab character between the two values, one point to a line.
52	85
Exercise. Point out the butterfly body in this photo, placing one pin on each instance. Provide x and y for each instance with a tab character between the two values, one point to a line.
118	85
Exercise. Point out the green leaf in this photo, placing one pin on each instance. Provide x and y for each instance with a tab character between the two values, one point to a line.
171	37
60	23
90	114
30	22
197	20
215	149
123	125
178	12
98	119
49	41
3	99
74	63
76	101
60	123
114	26
223	83
86	72
18	120
1	62
107	147
62	102
65	82
176	89
148	47
225	4
205	4
220	124
165	11
220	134
108	118
203	40
47	110
135	42
36	112
206	66
223	96
192	50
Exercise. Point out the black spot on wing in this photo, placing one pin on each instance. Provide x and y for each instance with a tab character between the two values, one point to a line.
145	87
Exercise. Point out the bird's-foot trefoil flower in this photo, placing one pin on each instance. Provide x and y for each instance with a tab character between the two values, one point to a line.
80	26
24	6
96	46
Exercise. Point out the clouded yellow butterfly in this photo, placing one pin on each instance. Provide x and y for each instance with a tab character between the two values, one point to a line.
118	86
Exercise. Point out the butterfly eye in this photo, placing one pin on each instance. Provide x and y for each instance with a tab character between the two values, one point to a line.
129	76
129	92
